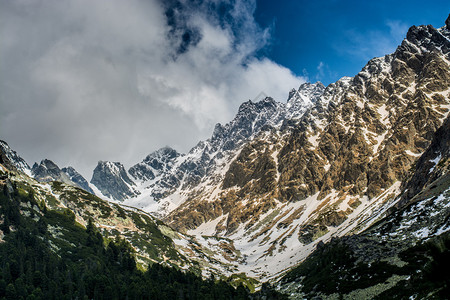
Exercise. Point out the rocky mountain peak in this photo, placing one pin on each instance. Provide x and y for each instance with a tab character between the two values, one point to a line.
447	22
46	164
311	91
164	154
426	37
10	159
47	171
291	94
218	131
249	108
113	181
154	164
249	120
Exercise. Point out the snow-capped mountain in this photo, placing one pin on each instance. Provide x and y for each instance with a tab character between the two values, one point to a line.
302	99
332	170
165	175
12	159
155	164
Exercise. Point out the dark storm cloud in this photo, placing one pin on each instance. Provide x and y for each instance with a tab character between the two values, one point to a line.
85	80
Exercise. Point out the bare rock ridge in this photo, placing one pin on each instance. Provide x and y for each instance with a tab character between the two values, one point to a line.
411	233
432	166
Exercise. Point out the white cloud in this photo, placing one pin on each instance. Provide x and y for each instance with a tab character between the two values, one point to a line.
88	80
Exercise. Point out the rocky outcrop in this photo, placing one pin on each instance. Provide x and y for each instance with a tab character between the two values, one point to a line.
113	181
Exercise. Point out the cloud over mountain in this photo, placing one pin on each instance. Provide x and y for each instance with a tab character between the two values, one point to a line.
118	79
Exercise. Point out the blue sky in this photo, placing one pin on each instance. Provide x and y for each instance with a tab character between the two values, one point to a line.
326	40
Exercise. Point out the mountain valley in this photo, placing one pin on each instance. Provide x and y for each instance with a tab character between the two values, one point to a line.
342	191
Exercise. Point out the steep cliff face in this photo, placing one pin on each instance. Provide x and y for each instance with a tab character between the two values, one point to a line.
430	170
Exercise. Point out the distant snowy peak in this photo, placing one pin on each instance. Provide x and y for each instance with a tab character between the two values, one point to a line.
113	181
166	170
154	164
77	178
10	158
